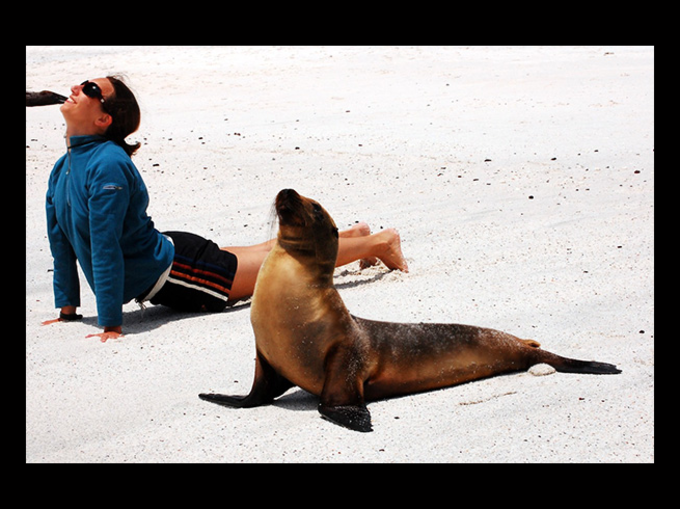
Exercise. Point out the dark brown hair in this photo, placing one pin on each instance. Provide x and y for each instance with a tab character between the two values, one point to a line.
124	110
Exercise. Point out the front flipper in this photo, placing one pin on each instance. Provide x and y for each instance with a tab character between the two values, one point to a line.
342	397
268	384
354	417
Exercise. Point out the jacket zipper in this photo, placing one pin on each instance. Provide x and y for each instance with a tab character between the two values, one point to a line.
68	174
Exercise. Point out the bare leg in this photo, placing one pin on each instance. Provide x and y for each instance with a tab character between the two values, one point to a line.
354	244
356	230
250	260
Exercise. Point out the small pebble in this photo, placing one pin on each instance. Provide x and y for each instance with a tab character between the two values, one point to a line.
541	369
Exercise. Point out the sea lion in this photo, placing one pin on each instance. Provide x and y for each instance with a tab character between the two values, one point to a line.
305	336
44	98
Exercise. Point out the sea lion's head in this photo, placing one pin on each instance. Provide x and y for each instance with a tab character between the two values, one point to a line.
305	226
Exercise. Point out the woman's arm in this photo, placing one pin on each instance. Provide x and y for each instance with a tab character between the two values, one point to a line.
108	204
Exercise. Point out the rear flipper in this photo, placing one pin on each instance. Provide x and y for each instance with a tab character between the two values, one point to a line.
268	384
590	367
567	365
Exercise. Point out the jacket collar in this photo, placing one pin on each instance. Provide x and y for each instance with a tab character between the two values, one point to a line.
79	141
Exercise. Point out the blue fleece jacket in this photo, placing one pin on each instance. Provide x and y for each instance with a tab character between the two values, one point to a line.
96	214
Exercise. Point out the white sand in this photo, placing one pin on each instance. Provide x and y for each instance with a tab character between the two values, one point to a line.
449	145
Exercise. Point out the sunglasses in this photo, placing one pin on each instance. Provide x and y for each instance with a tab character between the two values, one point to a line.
92	90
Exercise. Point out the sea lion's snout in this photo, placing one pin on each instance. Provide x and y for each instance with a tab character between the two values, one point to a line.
286	195
288	207
294	210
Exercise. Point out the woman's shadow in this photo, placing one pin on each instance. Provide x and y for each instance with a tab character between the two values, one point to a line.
151	317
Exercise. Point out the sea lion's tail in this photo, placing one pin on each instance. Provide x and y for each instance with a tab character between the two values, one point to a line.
567	365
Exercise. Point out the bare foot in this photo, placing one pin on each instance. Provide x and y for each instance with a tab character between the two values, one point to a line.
392	256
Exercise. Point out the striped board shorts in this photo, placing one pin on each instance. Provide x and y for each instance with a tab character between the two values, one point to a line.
201	275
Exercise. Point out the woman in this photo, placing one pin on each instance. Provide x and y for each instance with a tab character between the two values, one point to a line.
96	214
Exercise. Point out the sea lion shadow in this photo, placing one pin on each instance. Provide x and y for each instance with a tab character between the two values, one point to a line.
297	400
152	317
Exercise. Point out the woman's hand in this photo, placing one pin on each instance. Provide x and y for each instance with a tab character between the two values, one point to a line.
109	333
67	314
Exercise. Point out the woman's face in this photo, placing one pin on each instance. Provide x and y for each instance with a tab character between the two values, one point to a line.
84	114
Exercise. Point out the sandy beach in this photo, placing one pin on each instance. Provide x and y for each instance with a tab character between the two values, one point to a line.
521	180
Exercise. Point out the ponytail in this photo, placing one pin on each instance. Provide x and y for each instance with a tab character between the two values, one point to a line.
125	113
